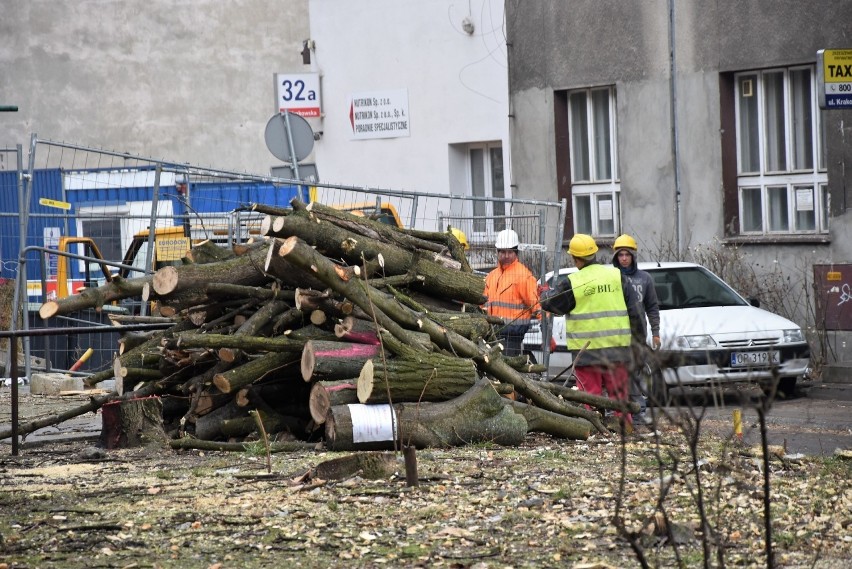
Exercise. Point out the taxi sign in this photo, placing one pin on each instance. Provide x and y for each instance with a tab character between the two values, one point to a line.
834	78
54	203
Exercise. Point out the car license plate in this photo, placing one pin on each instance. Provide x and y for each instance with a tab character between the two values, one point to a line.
745	359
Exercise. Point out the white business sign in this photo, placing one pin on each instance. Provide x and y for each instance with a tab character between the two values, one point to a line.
298	93
379	114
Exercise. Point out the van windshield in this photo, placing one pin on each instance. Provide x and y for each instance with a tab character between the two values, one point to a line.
690	287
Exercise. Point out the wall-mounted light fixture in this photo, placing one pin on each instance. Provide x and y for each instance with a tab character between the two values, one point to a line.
307	46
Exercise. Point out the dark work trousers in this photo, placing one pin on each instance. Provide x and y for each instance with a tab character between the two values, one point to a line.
642	355
512	338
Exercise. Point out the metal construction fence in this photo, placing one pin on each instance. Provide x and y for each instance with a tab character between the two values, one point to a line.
67	197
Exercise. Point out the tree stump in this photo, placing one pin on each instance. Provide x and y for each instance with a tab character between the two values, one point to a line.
133	423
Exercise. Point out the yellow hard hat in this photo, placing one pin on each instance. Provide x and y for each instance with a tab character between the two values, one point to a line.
462	238
582	245
624	242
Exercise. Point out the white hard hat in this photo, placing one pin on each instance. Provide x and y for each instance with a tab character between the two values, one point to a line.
506	239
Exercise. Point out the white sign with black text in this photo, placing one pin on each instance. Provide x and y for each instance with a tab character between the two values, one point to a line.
379	114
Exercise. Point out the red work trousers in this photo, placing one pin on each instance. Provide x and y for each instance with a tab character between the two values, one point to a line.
614	378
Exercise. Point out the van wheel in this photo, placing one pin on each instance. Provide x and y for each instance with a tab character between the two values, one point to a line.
658	391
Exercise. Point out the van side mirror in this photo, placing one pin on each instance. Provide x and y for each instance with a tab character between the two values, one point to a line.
754	301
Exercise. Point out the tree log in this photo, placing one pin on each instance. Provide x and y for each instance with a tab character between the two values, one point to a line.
335	360
209	427
246	270
326	394
243	342
116	289
368	465
372	229
579	396
340	243
272	423
554	424
209	252
356	330
264	366
432	377
480	415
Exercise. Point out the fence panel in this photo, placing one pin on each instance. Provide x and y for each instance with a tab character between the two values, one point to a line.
79	196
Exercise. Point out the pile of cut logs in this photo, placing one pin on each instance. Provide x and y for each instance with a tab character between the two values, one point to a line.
333	328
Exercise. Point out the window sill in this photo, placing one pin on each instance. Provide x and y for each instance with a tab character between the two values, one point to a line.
810	239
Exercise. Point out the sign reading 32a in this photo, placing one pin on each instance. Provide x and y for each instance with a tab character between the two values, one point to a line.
298	93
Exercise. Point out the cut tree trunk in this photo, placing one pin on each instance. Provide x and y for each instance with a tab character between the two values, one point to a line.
133	423
246	270
553	424
272	423
433	377
478	416
368	465
338	279
335	360
356	330
209	427
190	340
117	289
265	366
336	242
327	394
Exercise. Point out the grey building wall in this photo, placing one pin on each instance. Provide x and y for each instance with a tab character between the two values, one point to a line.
556	45
188	81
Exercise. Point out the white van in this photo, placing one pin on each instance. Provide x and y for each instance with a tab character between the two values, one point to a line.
710	335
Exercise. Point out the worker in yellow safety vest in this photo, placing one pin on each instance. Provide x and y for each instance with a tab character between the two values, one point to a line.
512	294
598	314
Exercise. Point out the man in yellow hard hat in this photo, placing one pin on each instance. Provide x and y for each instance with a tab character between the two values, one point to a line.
598	318
460	237
641	286
512	294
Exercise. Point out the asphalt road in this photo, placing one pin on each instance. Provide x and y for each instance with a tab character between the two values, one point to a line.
816	421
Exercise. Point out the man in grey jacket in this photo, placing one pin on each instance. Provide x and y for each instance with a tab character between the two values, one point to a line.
644	295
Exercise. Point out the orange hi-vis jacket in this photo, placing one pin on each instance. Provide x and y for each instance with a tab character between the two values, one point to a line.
512	294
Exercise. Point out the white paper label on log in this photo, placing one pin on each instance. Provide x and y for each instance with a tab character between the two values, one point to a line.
372	423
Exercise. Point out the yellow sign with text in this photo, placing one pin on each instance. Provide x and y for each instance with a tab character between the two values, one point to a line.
54	203
172	249
834	78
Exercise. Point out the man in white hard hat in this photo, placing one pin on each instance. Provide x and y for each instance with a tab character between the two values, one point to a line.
512	294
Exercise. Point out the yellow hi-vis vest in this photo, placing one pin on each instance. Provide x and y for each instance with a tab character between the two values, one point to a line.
600	315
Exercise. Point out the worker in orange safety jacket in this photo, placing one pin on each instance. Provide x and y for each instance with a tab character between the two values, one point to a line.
512	294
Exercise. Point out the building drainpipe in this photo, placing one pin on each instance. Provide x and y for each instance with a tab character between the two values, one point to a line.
673	106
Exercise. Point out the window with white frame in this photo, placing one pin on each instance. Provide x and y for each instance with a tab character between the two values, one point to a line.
595	185
781	177
485	163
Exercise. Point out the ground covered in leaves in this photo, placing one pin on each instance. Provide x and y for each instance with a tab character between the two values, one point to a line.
66	503
549	503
